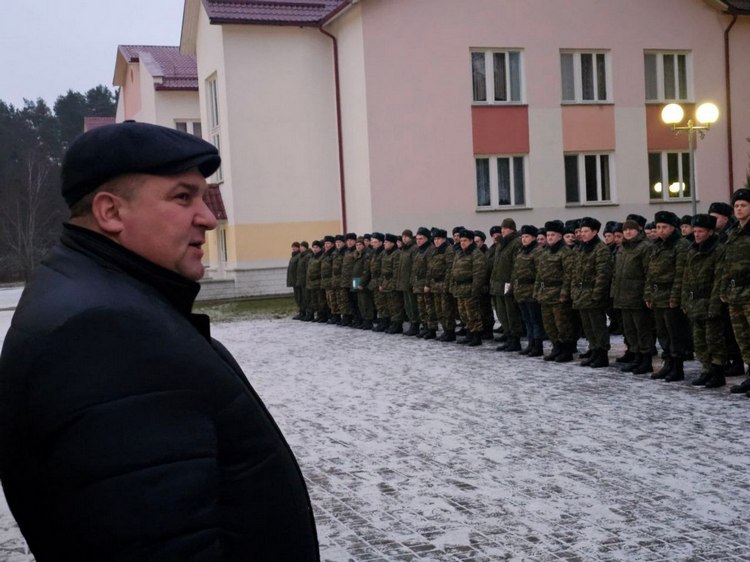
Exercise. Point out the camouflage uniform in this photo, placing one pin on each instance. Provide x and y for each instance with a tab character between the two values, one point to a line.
291	278
554	272
404	282
389	285
735	285
523	281
502	268
301	278
701	302
381	304
326	280
316	303
340	281
438	280
467	279
589	288
361	274
419	271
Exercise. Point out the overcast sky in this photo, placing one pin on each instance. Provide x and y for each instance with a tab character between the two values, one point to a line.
50	46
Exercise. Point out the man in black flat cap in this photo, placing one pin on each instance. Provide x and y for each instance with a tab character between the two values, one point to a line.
126	432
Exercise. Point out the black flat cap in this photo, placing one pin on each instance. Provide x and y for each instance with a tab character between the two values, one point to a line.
104	153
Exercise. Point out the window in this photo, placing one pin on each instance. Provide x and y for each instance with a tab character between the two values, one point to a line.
213	122
585	76
588	178
501	181
496	76
669	175
667	76
192	127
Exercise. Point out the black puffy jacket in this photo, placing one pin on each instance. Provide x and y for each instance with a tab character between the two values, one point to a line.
127	433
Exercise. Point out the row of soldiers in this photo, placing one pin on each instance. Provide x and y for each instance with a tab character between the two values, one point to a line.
684	281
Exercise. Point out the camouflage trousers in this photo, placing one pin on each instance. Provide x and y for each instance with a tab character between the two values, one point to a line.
673	331
395	306
332	300
411	307
313	301
559	322
365	304
443	310
471	313
342	298
638	327
509	315
299	298
740	316
594	321
708	341
488	314
381	303
427	310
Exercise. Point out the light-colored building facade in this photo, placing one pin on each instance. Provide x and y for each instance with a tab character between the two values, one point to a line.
387	114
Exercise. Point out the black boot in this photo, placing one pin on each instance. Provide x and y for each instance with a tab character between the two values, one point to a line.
513	344
589	359
601	359
665	370
702	379
395	328
717	377
627	357
529	346
447	336
633	364
463	340
554	352
734	368
538	349
476	339
566	352
382	325
677	374
323	317
741	388
334	319
645	366
430	335
487	334
413	329
586	355
423	332
346	320
366	325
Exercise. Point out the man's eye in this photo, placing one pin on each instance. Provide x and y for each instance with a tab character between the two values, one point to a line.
183	196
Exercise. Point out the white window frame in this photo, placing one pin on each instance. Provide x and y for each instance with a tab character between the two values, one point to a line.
578	77
489	77
189	126
661	95
212	110
582	184
494	183
683	172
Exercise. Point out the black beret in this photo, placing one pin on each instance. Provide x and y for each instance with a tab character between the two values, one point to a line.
555	226
480	234
466	234
590	222
529	229
741	194
686	219
439	233
328	238
378	236
104	153
391	238
667	217
304	244
295	244
351	236
424	231
457	229
637	218
338	238
316	243
721	208
704	221
495	230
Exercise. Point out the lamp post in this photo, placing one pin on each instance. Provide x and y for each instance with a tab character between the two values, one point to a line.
706	115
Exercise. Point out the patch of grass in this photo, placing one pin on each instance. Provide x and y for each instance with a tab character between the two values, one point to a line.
233	311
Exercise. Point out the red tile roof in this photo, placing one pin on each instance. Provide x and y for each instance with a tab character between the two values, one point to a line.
215	202
273	12
176	70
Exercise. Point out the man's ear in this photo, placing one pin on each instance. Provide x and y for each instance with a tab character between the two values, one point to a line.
106	209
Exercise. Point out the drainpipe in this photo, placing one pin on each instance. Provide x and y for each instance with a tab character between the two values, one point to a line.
728	86
338	125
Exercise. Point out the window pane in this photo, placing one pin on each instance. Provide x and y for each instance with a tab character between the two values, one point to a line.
503	181
601	77
197	129
514	58
587	76
604	176
519	183
571	179
655	182
649	61
592	192
501	93
673	175
181	126
566	69
682	76
483	182
669	85
478	78
686	176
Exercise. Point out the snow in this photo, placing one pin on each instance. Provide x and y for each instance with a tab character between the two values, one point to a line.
421	450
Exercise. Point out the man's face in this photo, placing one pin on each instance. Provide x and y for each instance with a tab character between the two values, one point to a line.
375	243
664	230
166	221
553	238
421	240
465	242
456	238
578	234
478	241
317	249
388	244
327	245
587	234
721	220
367	242
651	234
541	239
350	243
438	241
701	234
527	239
339	244
496	236
405	239
741	211
629	233
618	238
505	231
570	238
360	246
686	229
295	249
609	238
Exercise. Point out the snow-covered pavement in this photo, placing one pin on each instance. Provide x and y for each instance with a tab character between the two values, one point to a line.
420	450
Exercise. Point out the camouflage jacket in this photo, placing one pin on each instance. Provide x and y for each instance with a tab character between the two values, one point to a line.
468	272
346	268
505	257
404	266
375	265
665	271
735	279
553	273
326	269
629	280
360	268
291	269
700	289
314	271
420	265
389	270
523	278
336	267
304	260
592	275
439	267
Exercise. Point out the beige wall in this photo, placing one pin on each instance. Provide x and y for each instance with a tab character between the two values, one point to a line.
174	105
